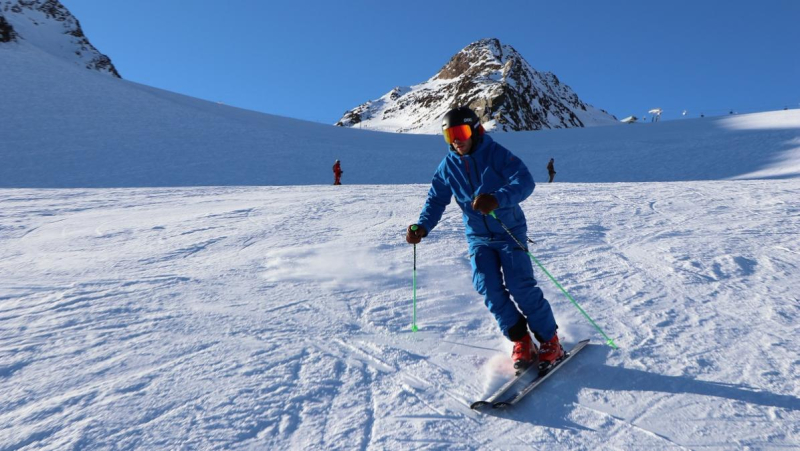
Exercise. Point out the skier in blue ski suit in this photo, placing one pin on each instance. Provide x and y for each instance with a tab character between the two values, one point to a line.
483	176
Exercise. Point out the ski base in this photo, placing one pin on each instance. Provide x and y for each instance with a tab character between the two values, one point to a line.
510	393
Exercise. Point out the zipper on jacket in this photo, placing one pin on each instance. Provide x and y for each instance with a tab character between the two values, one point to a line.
466	165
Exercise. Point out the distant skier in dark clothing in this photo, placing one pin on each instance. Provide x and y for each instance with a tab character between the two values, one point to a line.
337	173
551	170
484	177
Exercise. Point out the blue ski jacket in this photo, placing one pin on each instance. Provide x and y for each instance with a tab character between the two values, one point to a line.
489	169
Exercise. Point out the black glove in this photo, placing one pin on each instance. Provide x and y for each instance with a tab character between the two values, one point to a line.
485	203
415	236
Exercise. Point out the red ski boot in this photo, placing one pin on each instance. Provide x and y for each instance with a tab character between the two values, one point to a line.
550	352
524	354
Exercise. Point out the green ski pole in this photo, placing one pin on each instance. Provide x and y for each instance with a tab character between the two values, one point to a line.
609	341
414	279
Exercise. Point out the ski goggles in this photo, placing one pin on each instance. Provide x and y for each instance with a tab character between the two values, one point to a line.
459	132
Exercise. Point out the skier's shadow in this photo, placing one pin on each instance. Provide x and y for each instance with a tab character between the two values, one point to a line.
552	403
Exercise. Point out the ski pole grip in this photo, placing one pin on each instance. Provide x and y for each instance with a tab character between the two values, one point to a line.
415	227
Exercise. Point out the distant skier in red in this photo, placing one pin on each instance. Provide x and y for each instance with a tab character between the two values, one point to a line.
337	173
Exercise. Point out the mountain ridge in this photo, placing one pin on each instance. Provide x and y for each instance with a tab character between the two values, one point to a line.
50	26
491	78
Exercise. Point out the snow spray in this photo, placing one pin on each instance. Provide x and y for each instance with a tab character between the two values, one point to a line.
609	341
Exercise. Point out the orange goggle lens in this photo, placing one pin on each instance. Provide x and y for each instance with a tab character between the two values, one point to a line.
459	132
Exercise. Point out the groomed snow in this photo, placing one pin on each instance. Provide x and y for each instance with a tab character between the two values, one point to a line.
278	318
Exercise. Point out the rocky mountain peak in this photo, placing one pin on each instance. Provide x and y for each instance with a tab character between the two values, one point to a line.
49	26
494	80
475	58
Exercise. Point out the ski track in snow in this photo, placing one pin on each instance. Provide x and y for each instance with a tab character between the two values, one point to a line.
279	318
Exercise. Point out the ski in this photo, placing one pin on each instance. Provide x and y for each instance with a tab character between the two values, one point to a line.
517	382
543	375
510	393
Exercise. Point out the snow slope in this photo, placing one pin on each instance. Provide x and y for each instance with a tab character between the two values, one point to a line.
64	126
278	318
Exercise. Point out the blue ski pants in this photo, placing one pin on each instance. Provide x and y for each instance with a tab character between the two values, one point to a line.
501	270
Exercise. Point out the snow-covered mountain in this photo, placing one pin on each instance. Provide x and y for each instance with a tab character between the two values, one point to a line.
495	81
48	25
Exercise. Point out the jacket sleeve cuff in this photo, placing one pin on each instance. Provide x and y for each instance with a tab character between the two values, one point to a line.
425	226
502	198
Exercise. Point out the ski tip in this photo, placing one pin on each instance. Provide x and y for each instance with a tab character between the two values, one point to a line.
501	405
478	404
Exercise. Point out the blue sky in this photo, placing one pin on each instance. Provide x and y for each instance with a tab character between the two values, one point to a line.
315	60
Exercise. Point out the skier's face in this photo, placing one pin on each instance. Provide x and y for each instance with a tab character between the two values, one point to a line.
462	147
